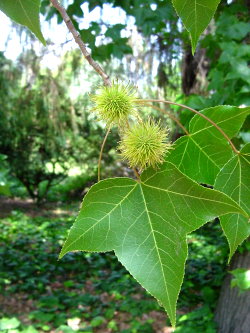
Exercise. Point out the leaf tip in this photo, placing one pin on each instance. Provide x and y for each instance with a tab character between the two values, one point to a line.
60	256
172	319
40	37
194	42
231	253
173	326
43	41
62	253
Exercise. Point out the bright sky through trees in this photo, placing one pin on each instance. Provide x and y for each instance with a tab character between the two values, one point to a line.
12	45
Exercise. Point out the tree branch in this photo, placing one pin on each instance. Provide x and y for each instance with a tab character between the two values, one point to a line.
80	43
101	152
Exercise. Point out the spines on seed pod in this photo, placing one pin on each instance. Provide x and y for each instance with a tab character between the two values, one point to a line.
115	103
144	144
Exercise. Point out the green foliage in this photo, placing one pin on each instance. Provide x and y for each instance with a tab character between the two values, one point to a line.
4	189
234	179
205	151
31	140
228	52
203	273
200	320
71	188
7	324
241	279
149	237
196	16
50	135
24	12
4	185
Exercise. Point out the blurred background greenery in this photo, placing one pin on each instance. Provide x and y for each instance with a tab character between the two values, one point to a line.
49	144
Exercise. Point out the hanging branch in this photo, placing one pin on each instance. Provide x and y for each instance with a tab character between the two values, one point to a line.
80	43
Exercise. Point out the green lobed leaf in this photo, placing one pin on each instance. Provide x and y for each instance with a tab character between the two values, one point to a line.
196	15
25	12
234	180
203	153
146	225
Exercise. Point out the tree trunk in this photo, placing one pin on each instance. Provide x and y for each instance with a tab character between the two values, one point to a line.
194	70
233	309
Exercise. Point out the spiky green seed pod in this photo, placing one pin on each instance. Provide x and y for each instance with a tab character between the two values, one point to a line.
115	103
144	145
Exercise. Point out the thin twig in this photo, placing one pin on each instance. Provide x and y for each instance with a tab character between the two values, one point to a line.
137	174
80	43
141	101
101	151
170	116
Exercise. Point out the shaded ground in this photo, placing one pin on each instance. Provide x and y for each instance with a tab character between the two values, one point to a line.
21	306
28	206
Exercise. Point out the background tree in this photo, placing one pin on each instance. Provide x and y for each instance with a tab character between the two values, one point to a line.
43	132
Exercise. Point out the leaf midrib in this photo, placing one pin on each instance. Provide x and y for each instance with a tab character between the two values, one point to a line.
156	247
26	14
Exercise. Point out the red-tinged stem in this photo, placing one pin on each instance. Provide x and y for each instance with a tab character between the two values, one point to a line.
141	101
101	152
170	116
